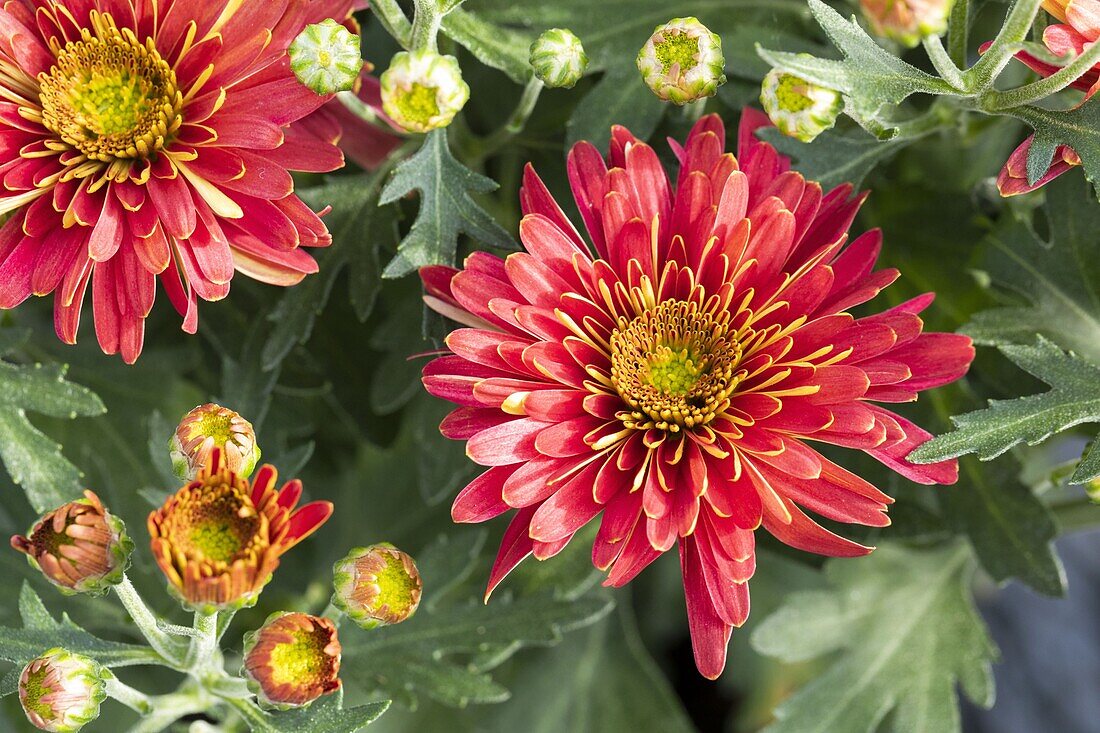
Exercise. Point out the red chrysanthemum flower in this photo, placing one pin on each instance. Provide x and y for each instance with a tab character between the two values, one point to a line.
1079	28
668	381
139	139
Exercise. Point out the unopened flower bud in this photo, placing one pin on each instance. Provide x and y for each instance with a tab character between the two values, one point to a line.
682	61
907	21
376	586
80	547
292	660
558	58
423	90
213	426
61	691
799	108
325	57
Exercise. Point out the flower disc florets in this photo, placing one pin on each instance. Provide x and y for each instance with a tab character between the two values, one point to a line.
218	539
79	547
682	61
799	108
61	691
423	90
376	586
208	427
293	659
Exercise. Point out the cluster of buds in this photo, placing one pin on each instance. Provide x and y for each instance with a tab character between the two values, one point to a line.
376	586
208	427
907	21
292	660
558	58
80	547
799	108
61	691
682	61
325	58
423	90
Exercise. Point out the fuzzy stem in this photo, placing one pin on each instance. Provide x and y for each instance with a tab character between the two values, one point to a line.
392	18
136	700
425	27
958	33
167	709
205	641
981	76
940	59
163	644
1056	82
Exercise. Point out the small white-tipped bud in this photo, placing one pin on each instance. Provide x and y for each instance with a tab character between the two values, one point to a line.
558	58
799	108
325	57
423	90
682	61
61	691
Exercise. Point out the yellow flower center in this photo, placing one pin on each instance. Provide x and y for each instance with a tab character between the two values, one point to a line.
677	49
301	661
792	94
35	689
395	586
418	104
216	524
217	425
675	366
110	96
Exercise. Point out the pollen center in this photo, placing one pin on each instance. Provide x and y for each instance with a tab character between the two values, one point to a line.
419	103
675	366
110	96
301	660
217	524
677	49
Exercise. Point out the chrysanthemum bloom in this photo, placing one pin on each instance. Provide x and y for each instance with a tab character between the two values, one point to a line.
1080	26
208	427
218	539
61	691
79	547
376	586
139	143
666	372
293	659
799	108
682	61
907	21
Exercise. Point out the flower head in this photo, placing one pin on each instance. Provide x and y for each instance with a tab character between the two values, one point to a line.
208	427
325	57
423	90
1079	27
293	659
61	691
80	547
907	21
218	539
682	61
799	108
376	586
666	372
141	148
558	58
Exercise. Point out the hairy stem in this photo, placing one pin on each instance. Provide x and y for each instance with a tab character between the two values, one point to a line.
425	27
981	76
136	700
1056	82
392	18
940	59
958	33
204	643
163	644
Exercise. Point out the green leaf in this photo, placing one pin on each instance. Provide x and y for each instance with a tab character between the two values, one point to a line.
1079	128
907	631
871	78
34	461
500	48
327	715
446	208
1011	531
424	654
835	157
1073	399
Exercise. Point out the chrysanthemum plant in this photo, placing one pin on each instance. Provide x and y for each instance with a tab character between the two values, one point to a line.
673	354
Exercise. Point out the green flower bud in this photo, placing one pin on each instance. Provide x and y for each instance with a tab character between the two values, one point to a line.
61	691
80	547
376	586
208	427
907	21
325	57
682	61
423	90
799	108
558	58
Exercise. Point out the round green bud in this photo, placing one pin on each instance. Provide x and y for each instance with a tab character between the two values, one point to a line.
61	691
682	61
325	57
800	109
558	58
423	90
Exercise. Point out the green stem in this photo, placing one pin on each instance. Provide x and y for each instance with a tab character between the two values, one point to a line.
425	27
981	76
225	618
252	715
958	33
167	709
392	18
1056	82
136	700
947	68
163	644
516	121
204	643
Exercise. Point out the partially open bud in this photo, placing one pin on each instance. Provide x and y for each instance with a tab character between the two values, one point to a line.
61	691
423	90
208	427
325	57
682	61
558	58
292	660
80	547
376	586
907	21
799	108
